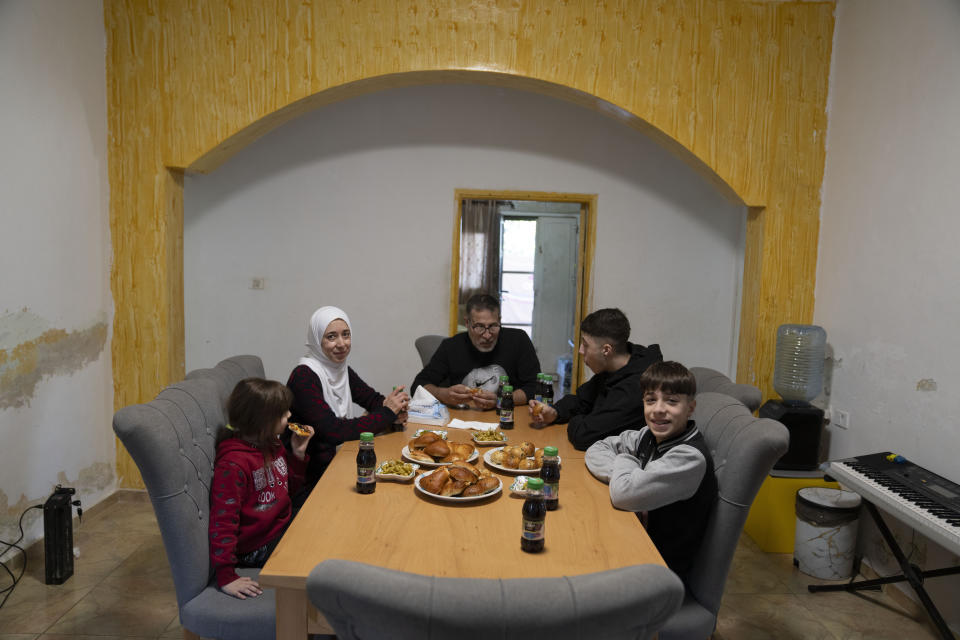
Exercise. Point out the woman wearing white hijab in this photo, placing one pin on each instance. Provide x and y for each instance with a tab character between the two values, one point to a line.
326	391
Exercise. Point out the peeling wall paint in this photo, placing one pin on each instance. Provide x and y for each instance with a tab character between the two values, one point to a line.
10	520
29	352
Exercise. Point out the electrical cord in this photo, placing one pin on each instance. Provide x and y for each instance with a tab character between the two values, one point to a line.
14	545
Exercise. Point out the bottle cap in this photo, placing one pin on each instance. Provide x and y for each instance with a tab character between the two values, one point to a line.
535	484
504	378
366	436
507	388
549	451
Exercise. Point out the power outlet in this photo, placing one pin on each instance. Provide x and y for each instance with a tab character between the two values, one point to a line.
840	418
258	283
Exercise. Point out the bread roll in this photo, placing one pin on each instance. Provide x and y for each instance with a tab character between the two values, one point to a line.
460	473
438	449
424	439
515	450
418	454
527	447
465	465
435	481
526	464
488	484
453	487
498	456
463	448
472	490
512	461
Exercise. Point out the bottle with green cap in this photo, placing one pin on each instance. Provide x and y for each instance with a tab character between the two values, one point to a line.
504	381
548	388
366	464
538	393
550	474
505	412
534	516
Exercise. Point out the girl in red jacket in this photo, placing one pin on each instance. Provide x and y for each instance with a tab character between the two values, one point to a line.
253	479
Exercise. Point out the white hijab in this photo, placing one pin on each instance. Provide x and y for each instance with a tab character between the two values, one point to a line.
333	375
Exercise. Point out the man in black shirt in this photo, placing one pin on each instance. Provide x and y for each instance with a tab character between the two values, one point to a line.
476	358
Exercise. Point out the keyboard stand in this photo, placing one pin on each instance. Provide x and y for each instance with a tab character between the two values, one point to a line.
911	573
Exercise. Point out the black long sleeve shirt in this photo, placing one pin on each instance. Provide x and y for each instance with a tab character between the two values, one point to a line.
456	357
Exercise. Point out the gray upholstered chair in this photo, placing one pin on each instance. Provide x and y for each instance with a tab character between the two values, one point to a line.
229	372
744	449
364	601
427	346
712	380
171	440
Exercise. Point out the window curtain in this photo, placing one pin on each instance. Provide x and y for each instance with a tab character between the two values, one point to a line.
479	249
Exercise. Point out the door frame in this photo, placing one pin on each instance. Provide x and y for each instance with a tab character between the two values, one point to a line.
585	252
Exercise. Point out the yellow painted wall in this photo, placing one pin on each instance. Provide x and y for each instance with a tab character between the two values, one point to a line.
737	88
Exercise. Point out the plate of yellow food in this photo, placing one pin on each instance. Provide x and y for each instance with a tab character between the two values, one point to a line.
396	470
489	438
458	482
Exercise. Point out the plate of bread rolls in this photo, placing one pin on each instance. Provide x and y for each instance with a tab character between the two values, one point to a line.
519	458
431	450
458	482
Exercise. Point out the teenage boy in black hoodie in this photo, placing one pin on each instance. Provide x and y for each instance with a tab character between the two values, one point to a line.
611	401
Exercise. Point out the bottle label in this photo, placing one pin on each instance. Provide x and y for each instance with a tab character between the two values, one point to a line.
551	490
547	400
365	475
532	529
538	397
506	415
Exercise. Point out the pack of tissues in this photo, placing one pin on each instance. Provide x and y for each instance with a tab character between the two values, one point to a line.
425	409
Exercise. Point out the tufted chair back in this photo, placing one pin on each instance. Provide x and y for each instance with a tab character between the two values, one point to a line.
229	372
716	382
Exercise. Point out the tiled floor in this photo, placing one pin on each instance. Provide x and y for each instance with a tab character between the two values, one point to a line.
121	589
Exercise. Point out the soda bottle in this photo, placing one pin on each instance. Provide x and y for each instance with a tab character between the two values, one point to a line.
366	464
538	394
534	514
506	408
504	380
550	474
548	388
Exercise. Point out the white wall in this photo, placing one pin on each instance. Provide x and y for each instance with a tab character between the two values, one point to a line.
353	205
887	287
56	392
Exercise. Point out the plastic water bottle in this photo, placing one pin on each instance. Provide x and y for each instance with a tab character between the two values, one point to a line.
798	371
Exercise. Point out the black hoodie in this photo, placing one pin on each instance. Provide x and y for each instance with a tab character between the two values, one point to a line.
609	402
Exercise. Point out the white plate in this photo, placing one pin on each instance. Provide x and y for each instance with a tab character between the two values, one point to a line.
405	453
416	483
487	461
394	476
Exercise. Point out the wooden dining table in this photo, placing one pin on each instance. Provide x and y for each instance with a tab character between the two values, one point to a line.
398	527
